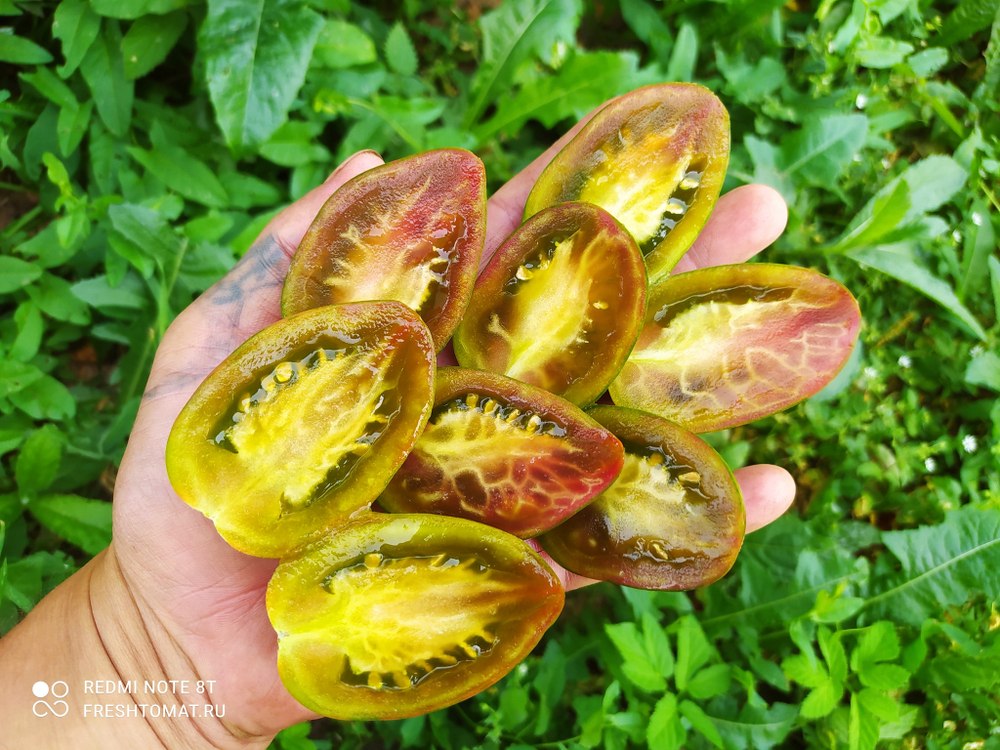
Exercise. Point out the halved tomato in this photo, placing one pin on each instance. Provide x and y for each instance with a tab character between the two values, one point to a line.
654	159
411	230
560	304
397	615
503	453
673	519
304	424
724	346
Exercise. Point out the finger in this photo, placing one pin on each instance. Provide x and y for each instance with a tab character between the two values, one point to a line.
744	222
768	491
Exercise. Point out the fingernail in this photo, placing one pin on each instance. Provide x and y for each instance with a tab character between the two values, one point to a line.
349	159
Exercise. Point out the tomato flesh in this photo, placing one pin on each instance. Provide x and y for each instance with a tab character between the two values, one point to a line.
411	230
672	520
304	424
397	615
503	453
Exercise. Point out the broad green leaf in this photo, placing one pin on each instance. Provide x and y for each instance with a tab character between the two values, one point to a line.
965	672
898	730
15	376
833	652
888	211
700	721
38	461
399	51
149	40
756	728
750	83
863	730
941	565
20	51
129	9
72	126
513	706
510	33
29	335
16	274
96	292
51	87
805	671
878	642
928	62
637	664
246	191
693	650
76	25
8	8
148	230
684	54
665	731
832	609
585	81
822	700
984	370
903	269
657	645
994	265
881	51
765	157
709	682
549	683
883	676
980	246
969	17
45	398
848	31
293	144
342	45
256	56
103	69
645	21
53	296
183	173
410	730
85	523
880	704
932	181
823	148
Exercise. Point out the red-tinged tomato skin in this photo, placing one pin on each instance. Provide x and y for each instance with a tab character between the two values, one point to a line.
559	305
394	616
503	453
411	230
673	520
724	346
304	424
655	159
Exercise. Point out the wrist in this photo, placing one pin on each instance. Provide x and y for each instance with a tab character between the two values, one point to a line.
114	675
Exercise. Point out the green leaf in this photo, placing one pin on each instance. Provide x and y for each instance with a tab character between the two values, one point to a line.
982	242
883	676
39	459
85	523
709	682
645	21
16	274
684	55
410	730
103	69
246	191
863	727
182	173
903	269
585	81
549	683
510	34
994	265
878	642
928	62
97	292
48	85
256	56
750	83
693	650
45	398
665	731
149	40
72	126
657	646
399	51
343	45
53	296
756	728
932	181
637	665
941	565
984	370
805	671
29	335
15	376
148	231
129	9
700	721
964	672
880	704
21	51
823	148
822	700
881	51
76	25
969	17
832	609
888	212
293	144
833	652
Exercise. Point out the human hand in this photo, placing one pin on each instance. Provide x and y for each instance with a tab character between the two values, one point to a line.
200	602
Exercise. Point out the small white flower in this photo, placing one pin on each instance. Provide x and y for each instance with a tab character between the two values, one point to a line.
861	101
977	350
871	372
977	218
931	465
905	361
969	443
886	163
957	236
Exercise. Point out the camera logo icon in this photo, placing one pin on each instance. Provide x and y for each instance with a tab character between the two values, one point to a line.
43	690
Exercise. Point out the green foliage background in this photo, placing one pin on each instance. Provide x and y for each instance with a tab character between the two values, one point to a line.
145	143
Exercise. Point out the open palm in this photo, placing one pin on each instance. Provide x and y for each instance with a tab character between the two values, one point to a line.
205	598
